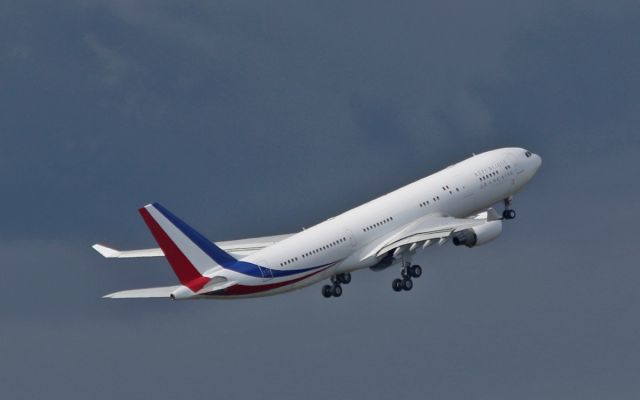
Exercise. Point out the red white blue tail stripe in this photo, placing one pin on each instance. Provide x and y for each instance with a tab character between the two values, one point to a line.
186	259
190	255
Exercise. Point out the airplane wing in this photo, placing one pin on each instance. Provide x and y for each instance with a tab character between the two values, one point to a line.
237	248
429	230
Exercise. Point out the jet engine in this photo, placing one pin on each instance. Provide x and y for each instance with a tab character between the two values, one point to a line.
478	235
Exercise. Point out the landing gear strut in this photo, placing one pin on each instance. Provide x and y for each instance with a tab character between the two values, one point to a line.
508	212
408	271
335	289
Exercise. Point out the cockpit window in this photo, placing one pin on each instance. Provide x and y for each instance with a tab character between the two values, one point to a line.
527	153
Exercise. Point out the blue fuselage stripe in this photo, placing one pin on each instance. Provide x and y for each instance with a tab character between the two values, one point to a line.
223	258
264	272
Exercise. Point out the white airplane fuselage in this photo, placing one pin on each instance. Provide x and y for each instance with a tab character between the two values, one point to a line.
345	243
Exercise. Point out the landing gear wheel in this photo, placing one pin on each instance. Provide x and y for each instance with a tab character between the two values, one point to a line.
397	285
407	284
335	280
405	272
345	278
336	291
416	271
509	214
327	291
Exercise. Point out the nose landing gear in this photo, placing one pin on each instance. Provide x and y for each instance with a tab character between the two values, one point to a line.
408	271
335	289
508	213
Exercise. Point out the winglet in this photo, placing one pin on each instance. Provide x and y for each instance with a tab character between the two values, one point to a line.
106	252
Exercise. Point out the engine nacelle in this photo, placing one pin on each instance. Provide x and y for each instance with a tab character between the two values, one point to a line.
478	235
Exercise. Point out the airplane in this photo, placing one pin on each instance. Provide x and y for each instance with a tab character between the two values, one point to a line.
454	205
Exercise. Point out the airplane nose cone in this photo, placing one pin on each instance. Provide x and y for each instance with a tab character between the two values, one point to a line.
538	161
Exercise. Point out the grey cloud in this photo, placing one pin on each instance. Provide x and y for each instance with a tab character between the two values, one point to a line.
249	119
114	66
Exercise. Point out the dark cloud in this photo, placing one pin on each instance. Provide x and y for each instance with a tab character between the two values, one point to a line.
250	119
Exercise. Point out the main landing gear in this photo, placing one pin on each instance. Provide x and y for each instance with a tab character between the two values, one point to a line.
508	212
408	271
335	290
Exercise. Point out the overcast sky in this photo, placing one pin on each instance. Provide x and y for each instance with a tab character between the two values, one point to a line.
255	118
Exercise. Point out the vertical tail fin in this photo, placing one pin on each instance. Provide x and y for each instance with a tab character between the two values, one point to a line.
189	253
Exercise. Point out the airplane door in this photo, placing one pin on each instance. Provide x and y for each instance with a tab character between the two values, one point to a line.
267	273
351	238
512	174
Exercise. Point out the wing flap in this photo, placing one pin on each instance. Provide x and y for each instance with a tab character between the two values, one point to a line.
428	228
416	238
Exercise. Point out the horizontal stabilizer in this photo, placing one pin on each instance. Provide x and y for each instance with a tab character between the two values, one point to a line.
237	248
143	293
108	252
